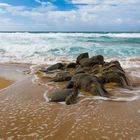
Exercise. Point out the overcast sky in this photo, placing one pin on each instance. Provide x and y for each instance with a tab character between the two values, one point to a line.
69	15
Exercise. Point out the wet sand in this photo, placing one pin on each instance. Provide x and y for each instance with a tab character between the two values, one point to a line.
25	115
5	82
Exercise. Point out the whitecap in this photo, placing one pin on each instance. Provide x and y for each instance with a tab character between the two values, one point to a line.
50	48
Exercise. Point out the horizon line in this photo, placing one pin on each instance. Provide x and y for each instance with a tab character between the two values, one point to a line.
29	31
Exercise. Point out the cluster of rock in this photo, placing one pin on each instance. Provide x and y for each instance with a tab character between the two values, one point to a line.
87	73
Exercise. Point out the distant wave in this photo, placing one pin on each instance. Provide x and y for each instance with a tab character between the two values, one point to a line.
53	47
51	34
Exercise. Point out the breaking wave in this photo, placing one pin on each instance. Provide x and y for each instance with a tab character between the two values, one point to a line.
40	48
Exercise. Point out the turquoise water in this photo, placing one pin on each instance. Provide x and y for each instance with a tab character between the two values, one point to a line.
49	47
108	46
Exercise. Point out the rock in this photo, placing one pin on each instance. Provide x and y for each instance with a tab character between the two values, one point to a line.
99	59
82	80
79	70
90	74
111	72
113	64
55	67
98	89
60	95
70	84
62	76
117	77
81	56
71	99
85	62
90	62
71	65
89	83
97	69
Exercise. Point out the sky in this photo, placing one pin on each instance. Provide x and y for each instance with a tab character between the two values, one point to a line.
69	15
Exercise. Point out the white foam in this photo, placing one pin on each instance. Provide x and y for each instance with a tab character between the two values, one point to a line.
63	103
30	48
135	95
54	47
135	74
126	99
117	99
45	96
58	35
131	62
124	35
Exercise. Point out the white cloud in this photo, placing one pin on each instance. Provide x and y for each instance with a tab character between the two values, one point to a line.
42	2
4	5
117	2
7	24
121	2
84	1
118	21
47	4
101	16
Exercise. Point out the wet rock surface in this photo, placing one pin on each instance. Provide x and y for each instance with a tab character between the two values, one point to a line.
55	67
61	95
82	56
62	76
89	74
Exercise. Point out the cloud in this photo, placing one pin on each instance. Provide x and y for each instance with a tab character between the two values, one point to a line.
7	23
43	3
45	6
119	2
40	2
103	1
87	16
84	1
4	5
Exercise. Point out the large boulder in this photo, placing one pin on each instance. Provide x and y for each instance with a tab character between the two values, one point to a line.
79	69
81	56
60	95
88	74
90	62
88	83
70	84
71	65
85	62
56	66
117	77
62	76
72	98
111	72
98	59
96	69
113	65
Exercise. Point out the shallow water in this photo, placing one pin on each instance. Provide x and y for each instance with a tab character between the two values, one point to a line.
117	94
89	119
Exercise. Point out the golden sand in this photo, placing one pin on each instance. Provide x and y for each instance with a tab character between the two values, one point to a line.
25	115
4	82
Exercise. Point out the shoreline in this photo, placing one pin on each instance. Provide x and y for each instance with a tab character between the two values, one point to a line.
25	114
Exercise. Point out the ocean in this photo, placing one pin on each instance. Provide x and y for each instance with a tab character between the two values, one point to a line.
41	47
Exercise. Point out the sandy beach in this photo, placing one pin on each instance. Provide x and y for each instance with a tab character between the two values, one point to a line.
25	114
4	82
69	69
